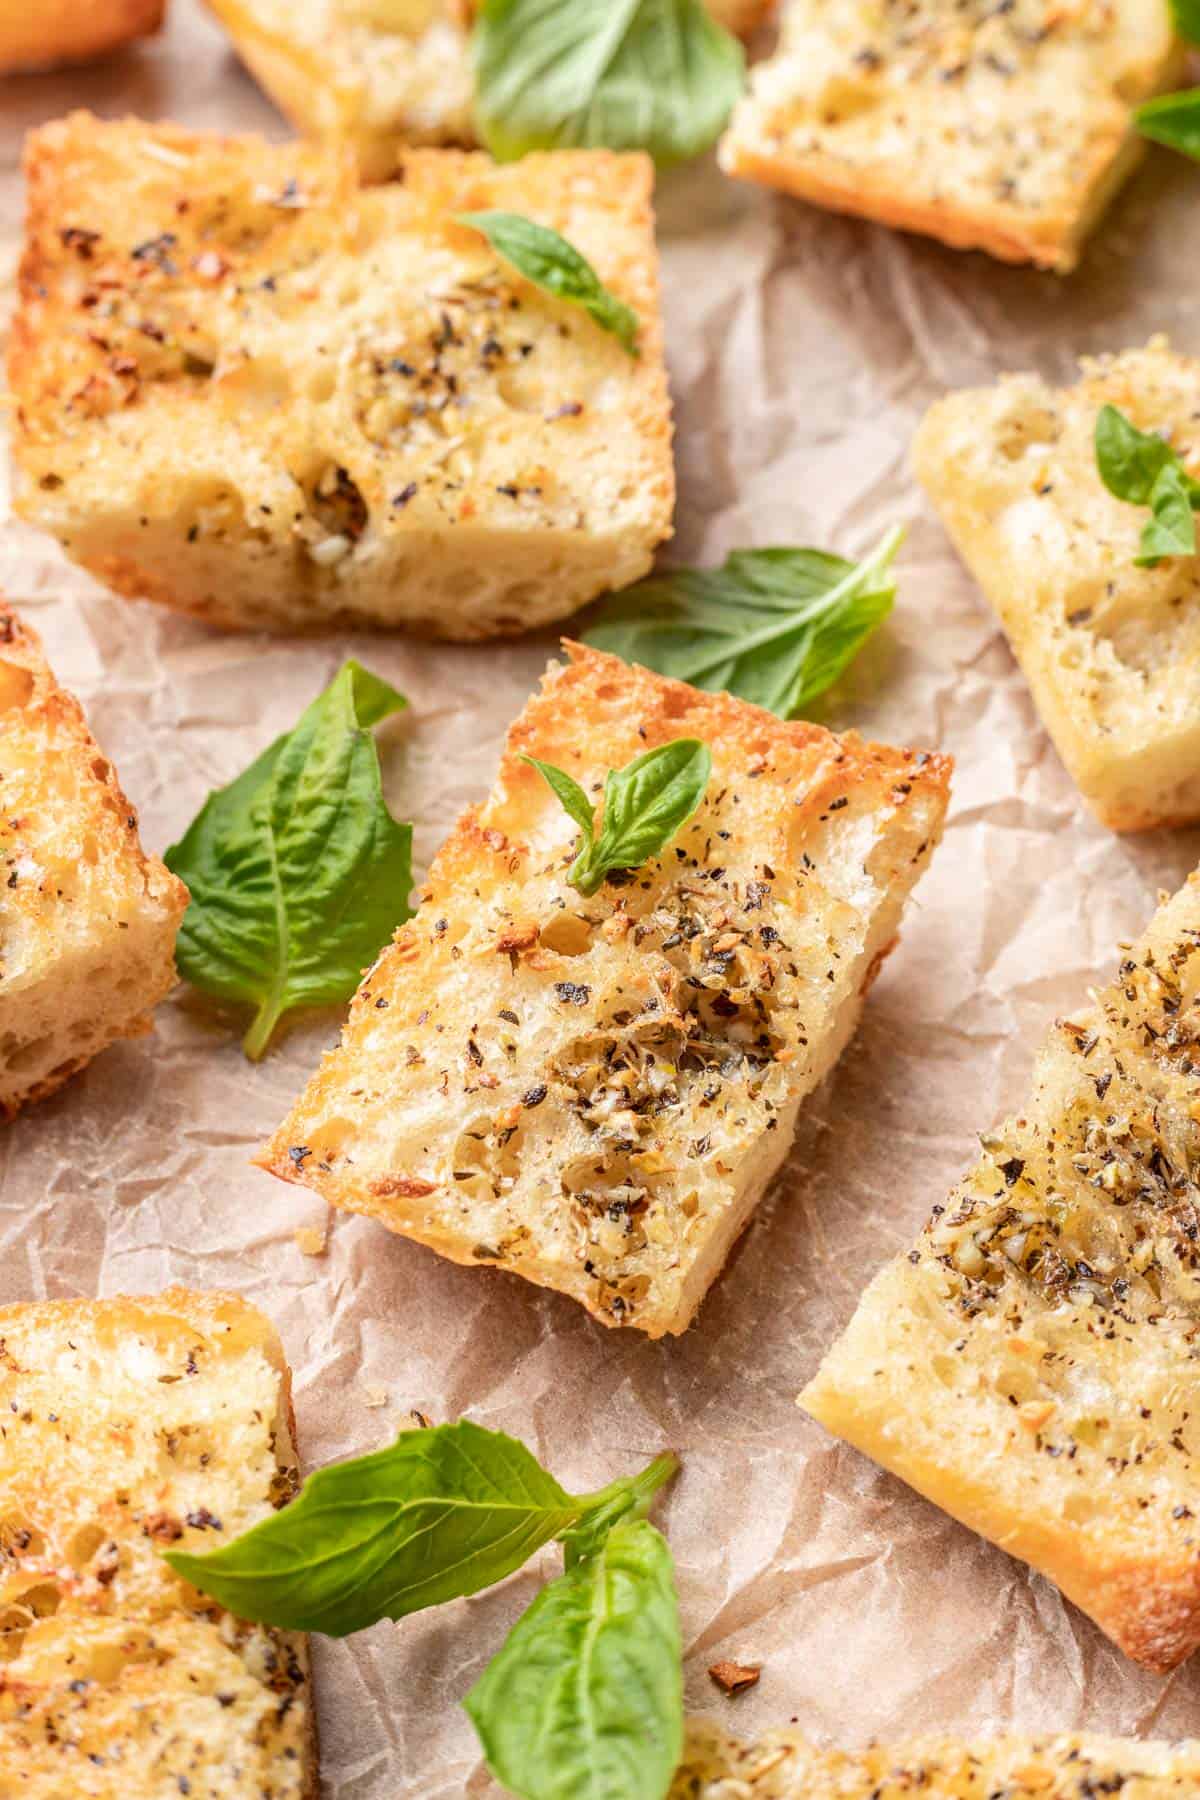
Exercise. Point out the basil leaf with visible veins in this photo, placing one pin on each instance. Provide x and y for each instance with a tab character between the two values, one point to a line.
297	871
656	75
585	1699
444	1512
645	804
1142	469
776	627
552	263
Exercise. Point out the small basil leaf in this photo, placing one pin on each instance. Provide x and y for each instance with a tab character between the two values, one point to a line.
1130	461
297	871
1172	529
552	263
775	627
628	1498
574	801
585	1699
655	75
1186	14
1173	120
441	1513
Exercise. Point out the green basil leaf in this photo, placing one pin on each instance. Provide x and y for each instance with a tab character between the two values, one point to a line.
1172	528
443	1512
1141	468
626	1499
1130	461
297	871
1186	14
585	1699
775	627
574	801
552	263
1173	120
656	75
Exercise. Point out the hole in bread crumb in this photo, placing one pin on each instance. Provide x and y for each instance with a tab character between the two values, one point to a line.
29	1056
16	686
83	1545
568	935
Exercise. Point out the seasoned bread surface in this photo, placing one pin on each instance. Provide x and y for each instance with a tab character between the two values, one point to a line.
252	390
595	1092
87	920
1111	651
1005	128
1030	1366
132	1426
378	75
71	30
783	1766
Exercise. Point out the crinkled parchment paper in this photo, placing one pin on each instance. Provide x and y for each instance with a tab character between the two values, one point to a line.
803	349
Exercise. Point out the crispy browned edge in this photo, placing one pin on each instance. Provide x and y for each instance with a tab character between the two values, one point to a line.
22	646
456	180
75	31
665	707
203	1308
1050	240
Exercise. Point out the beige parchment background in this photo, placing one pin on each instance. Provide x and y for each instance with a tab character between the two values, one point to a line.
803	349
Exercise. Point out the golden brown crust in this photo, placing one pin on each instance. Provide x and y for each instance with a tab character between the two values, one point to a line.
526	1075
88	919
71	30
136	1424
1111	651
255	391
1027	1365
866	111
784	1766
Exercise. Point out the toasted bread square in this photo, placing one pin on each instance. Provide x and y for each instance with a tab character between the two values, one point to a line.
1030	1366
783	1766
87	919
261	394
378	76
71	30
998	127
1111	651
594	1093
134	1426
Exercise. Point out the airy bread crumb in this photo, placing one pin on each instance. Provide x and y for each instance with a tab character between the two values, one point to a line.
1004	128
134	1426
1030	1364
594	1093
87	920
60	31
1111	651
259	393
378	77
784	1766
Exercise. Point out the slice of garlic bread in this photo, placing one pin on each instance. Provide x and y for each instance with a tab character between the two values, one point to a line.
595	1092
134	1426
1030	1365
1110	650
57	31
381	74
1000	127
87	919
783	1766
252	390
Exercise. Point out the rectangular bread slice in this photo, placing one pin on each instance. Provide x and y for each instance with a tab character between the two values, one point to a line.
379	76
1111	651
134	1426
999	127
87	919
1031	1364
71	30
594	1093
783	1766
257	392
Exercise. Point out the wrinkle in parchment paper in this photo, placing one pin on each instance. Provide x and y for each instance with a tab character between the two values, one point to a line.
803	349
